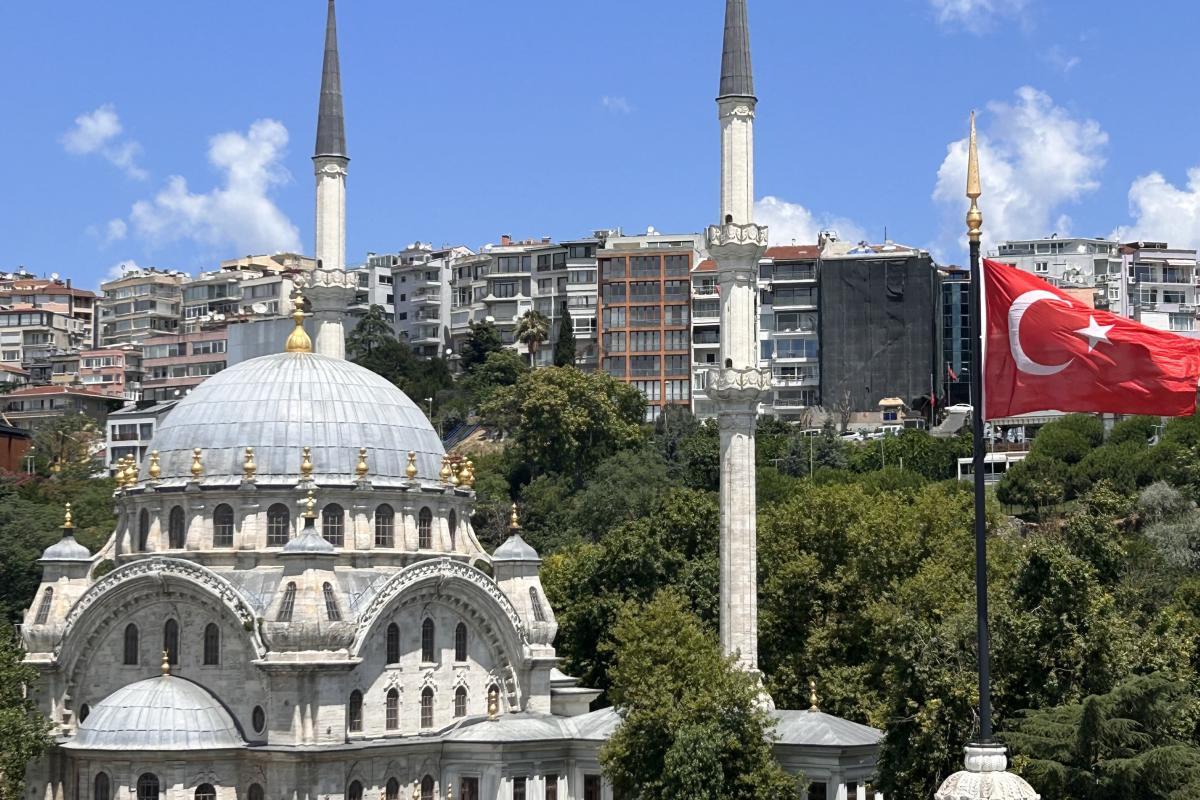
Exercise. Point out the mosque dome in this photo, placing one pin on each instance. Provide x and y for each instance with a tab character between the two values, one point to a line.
163	713
280	404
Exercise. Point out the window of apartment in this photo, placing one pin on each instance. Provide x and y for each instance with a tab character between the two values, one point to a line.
204	370
675	340
677	265
543	262
1143	274
612	268
208	348
1041	267
644	341
614	292
1182	322
1148	296
644	317
1174	275
560	260
794	296
505	288
545	284
582	250
508	264
584	325
641	366
679	390
676	365
578	276
1114	292
651	390
645	266
645	291
614	317
795	348
795	322
615	366
614	342
1173	296
676	315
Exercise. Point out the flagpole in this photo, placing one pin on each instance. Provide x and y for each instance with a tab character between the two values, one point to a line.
974	232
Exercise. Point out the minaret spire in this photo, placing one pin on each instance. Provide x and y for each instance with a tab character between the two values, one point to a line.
737	78
331	123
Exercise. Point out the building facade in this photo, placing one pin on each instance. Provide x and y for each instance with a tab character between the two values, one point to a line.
175	365
1163	285
790	331
20	291
31	406
130	430
140	304
956	335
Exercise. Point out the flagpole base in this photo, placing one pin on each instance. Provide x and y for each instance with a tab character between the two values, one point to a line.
985	777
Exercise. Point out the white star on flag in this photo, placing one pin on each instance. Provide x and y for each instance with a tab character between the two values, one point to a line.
1095	333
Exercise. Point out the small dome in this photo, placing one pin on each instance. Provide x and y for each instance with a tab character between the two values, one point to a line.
163	713
280	404
515	549
309	542
66	549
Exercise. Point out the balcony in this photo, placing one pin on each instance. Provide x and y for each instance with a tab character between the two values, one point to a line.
427	298
808	379
705	291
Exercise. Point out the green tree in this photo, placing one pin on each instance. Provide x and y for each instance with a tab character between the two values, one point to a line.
24	731
482	339
65	446
533	328
372	332
1137	740
691	725
501	368
1035	483
418	378
566	421
564	346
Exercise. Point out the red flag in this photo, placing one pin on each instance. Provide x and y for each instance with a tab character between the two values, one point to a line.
1047	351
950	371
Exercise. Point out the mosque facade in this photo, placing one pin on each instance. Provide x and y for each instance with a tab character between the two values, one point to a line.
293	604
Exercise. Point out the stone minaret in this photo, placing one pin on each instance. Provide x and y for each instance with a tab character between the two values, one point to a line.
737	385
331	291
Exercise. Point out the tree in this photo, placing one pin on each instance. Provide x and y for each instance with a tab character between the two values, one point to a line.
24	731
564	347
371	333
482	339
64	446
1035	483
532	329
501	368
691	725
418	378
566	421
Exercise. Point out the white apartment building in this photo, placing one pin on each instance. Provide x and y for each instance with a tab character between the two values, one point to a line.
419	293
1072	263
1162	282
581	296
374	288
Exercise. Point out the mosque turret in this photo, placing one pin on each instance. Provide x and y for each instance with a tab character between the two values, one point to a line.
65	567
517	569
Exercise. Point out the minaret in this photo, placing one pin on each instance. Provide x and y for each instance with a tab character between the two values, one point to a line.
737	385
331	291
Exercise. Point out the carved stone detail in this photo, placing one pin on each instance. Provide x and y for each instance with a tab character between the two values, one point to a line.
738	385
750	235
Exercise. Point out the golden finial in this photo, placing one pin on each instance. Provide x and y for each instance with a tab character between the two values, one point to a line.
298	341
974	215
67	523
445	473
166	663
464	474
306	464
416	790
127	475
155	470
119	474
514	524
493	703
411	469
454	479
362	468
449	791
310	506
470	473
249	468
812	695
197	464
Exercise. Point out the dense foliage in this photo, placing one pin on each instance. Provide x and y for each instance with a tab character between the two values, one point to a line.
25	733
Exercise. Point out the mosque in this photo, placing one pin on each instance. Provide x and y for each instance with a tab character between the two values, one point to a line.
298	608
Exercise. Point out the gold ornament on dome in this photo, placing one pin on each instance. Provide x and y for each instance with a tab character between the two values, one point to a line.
464	474
411	469
362	468
197	464
155	470
470	474
454	479
298	341
249	468
514	524
416	790
306	464
67	523
493	703
449	791
444	474
310	506
166	663
812	695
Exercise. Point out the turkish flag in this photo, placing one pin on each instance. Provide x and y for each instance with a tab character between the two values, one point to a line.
1047	351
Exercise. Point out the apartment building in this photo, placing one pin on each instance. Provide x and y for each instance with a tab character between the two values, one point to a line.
375	288
141	304
790	330
1071	263
32	406
21	291
235	294
1162	282
645	316
129	430
114	371
31	336
422	279
582	266
956	335
177	363
468	287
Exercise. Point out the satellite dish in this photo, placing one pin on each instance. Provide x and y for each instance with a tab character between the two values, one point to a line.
259	308
219	317
53	276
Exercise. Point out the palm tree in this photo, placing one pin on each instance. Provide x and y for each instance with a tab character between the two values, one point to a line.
532	329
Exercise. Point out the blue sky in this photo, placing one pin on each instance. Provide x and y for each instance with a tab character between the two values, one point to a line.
175	134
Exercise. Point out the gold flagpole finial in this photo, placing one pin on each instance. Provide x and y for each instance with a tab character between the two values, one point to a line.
974	215
812	695
166	663
67	523
514	524
298	341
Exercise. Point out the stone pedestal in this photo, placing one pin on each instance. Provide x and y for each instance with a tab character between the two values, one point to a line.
985	778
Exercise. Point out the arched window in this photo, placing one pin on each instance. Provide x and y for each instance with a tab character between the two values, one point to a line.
460	702
223	526
212	645
258	718
171	641
147	787
175	528
453	528
43	612
539	614
255	792
427	707
427	788
101	787
425	529
205	791
460	642
143	542
279	524
131	645
392	791
354	721
354	792
385	526
427	649
331	606
393	644
333	524
287	604
84	712
392	718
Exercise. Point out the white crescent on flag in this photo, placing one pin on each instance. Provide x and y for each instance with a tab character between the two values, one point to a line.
1015	313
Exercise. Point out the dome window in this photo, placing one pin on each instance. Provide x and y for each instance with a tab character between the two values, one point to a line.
385	526
175	528
427	788
288	604
143	542
212	645
205	791
427	708
258	718
101	787
393	644
392	717
539	614
427	648
460	702
279	523
255	792
453	529
331	606
84	711
354	712
425	529
223	526
392	791
147	787
131	645
333	525
355	791
171	641
460	642
43	612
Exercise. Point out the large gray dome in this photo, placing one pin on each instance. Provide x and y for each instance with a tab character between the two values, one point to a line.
280	404
164	713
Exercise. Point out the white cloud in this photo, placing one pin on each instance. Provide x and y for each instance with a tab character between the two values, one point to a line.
1061	59
616	104
238	215
1163	212
115	230
976	15
792	223
1034	157
100	132
118	270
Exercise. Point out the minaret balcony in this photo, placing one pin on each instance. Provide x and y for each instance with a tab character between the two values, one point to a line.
734	385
